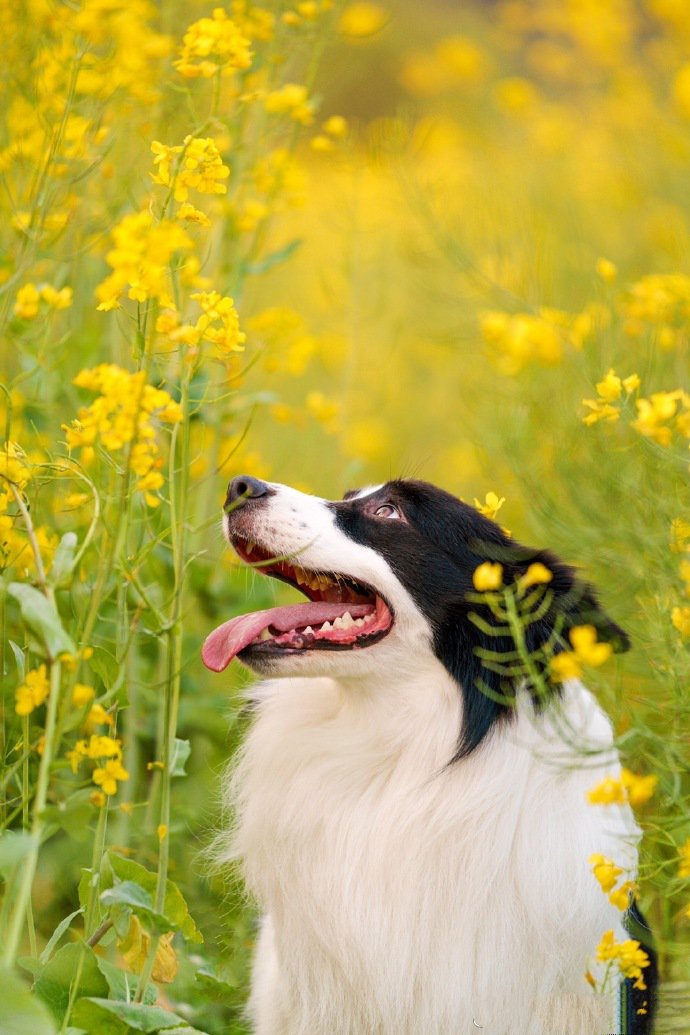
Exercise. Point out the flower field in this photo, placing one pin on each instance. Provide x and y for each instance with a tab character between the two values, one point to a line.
325	243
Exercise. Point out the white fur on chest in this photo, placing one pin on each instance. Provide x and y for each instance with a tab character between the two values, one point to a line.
406	897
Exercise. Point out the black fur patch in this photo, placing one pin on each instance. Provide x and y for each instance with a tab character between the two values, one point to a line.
433	550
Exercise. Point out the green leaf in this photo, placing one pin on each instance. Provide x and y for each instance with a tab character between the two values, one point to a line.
175	908
21	1013
74	815
105	665
113	1017
63	561
216	987
15	845
54	982
122	984
57	935
41	616
181	752
273	259
19	658
129	893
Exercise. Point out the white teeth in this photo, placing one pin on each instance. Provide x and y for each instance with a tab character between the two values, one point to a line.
308	630
264	635
326	627
339	623
348	621
359	621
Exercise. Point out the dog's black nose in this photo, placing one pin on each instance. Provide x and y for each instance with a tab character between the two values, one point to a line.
244	488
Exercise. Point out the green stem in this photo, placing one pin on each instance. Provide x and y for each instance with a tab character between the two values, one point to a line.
179	492
23	894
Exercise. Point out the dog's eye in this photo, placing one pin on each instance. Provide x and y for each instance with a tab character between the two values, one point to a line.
387	511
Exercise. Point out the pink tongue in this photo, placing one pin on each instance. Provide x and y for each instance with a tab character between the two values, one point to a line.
225	642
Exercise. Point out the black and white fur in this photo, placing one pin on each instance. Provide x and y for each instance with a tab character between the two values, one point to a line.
418	847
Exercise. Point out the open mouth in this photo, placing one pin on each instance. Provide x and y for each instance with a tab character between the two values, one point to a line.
342	614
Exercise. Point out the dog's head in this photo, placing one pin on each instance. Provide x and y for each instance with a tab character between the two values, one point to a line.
388	572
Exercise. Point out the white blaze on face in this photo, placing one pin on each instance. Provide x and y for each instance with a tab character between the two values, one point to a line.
303	529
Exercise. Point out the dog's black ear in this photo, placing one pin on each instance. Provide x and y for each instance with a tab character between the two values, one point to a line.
478	648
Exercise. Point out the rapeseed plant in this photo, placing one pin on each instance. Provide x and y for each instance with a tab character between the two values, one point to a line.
216	257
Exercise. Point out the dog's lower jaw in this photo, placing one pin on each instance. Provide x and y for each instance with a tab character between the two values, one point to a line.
409	897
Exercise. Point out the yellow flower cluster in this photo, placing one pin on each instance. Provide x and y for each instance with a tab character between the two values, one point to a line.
215	44
586	651
334	129
14	465
124	412
108	752
194	165
610	391
659	302
32	692
607	873
517	339
661	414
140	260
30	296
218	324
291	99
629	956
626	788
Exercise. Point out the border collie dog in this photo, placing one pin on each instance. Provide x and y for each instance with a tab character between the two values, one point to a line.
412	818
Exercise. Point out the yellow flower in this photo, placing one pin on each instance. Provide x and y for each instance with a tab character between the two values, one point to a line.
336	126
564	665
194	165
190	214
631	959
291	99
124	411
14	465
653	414
108	775
536	575
606	270
33	691
491	505
610	390
609	792
325	411
680	616
587	648
140	260
629	787
26	304
82	694
362	19
620	897
98	716
487	576
605	871
61	299
680	534
211	45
